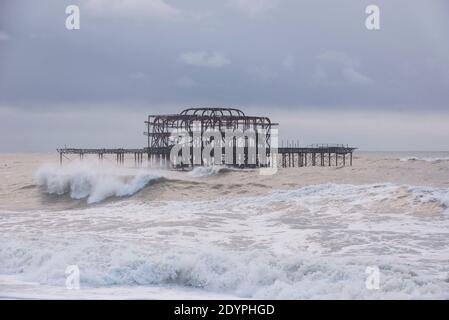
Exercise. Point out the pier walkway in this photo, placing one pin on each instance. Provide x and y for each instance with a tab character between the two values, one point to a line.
316	155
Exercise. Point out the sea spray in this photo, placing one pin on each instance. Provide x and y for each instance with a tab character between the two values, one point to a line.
92	181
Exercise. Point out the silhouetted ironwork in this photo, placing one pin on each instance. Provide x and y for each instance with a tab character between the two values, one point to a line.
160	130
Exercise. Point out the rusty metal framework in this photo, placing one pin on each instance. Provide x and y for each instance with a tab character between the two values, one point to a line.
162	128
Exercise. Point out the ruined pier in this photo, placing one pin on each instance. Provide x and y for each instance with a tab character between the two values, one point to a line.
260	149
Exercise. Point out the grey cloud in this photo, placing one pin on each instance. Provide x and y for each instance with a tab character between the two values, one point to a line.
289	56
262	73
3	36
137	75
338	68
289	62
254	8
204	59
149	8
186	81
355	76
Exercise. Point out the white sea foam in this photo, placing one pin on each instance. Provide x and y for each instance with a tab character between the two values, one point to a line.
251	273
426	159
309	242
427	195
92	181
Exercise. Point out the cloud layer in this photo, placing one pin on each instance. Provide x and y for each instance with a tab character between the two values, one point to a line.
140	56
204	59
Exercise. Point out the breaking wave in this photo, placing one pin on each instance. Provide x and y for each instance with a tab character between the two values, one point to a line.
91	181
308	242
426	159
208	171
252	274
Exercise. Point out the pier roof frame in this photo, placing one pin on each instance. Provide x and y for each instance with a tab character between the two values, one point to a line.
159	126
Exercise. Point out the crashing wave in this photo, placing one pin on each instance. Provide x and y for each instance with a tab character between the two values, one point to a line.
254	274
309	242
207	171
91	181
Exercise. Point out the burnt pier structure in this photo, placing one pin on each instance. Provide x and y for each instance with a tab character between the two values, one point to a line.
164	132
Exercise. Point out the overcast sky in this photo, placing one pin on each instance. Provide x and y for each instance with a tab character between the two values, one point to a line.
312	66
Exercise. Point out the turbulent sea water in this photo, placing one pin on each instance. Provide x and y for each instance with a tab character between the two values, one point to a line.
302	233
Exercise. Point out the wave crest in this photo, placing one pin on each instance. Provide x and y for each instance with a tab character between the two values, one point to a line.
432	160
208	171
92	181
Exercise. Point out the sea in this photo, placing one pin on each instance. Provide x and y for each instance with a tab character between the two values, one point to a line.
95	230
